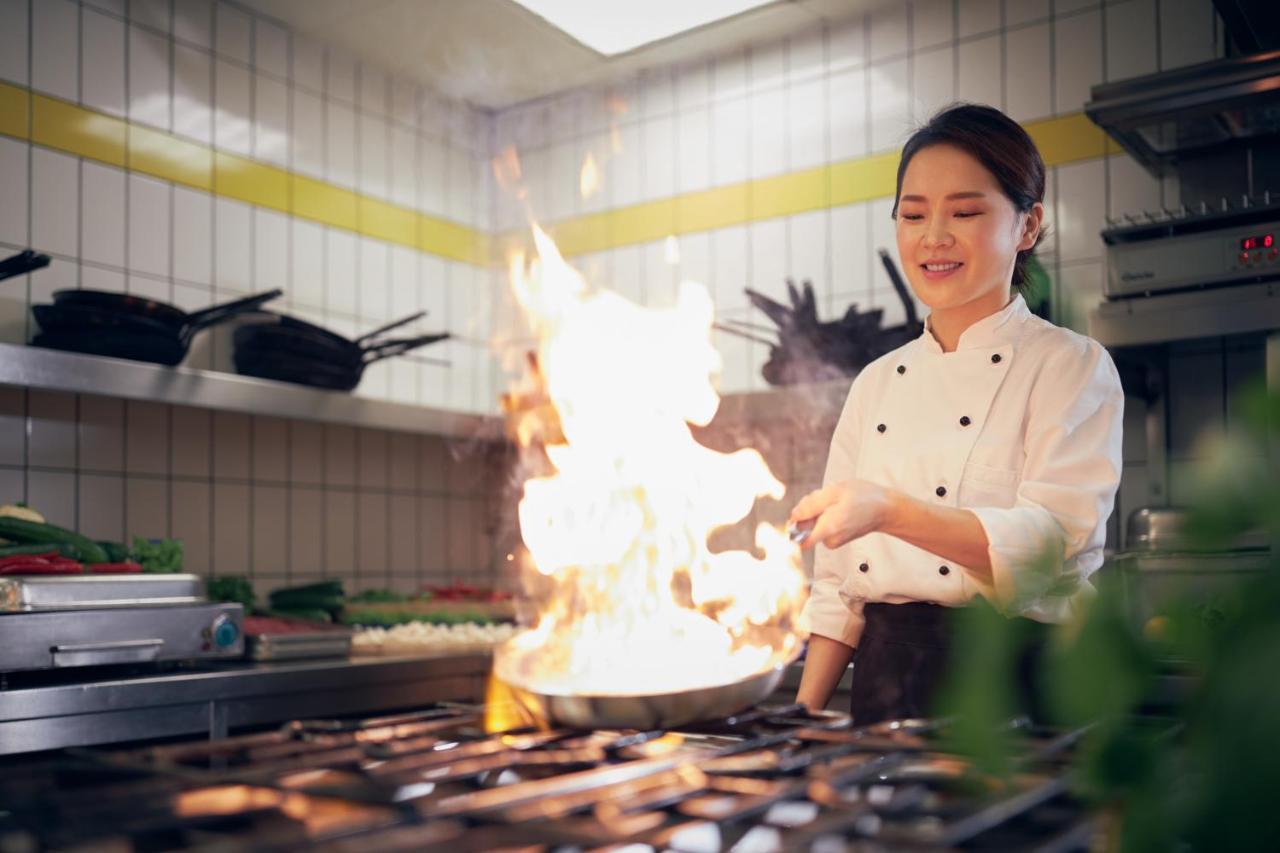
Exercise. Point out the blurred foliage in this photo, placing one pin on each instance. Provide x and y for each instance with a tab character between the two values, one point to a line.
1195	770
1039	288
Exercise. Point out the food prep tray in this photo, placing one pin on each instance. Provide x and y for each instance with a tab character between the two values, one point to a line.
334	642
74	592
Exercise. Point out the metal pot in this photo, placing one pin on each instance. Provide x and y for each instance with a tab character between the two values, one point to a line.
645	711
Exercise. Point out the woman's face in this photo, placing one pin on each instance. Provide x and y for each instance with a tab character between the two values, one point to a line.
958	233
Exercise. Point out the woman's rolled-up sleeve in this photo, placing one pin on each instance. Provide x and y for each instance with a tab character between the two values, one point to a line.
1052	538
828	613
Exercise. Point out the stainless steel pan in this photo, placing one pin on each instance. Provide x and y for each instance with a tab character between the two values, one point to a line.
644	711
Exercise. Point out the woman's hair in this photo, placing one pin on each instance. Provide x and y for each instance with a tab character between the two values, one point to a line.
997	142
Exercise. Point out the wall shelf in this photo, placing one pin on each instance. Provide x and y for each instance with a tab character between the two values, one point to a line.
51	370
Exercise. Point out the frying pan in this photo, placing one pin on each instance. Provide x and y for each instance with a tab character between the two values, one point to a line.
303	339
142	330
641	711
78	309
267	360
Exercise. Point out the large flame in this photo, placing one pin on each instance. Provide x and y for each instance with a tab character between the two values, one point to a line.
634	602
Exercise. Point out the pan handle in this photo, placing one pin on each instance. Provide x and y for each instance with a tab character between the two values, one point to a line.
24	261
217	313
394	324
400	346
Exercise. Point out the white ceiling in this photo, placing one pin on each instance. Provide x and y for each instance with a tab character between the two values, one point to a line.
495	53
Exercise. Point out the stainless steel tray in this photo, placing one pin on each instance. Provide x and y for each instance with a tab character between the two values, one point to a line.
72	592
320	644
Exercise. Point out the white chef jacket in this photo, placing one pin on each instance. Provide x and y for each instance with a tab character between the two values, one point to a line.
1021	425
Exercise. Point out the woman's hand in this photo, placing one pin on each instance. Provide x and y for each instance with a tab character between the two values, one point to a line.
841	512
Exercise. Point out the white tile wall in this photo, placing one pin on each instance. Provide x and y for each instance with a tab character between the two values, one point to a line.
14	40
55	58
103	71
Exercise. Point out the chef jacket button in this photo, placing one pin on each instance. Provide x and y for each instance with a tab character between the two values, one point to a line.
941	491
964	421
902	368
881	428
864	568
944	570
995	359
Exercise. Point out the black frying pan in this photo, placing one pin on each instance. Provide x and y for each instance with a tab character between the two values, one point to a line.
316	342
140	335
266	360
99	308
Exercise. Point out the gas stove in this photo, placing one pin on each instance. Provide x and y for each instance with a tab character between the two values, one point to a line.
772	778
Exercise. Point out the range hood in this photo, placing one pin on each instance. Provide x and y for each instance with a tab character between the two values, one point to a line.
1165	118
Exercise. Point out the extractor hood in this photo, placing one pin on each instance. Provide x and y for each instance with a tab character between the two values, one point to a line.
1162	119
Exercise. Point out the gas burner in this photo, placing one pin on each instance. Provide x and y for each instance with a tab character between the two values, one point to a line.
771	778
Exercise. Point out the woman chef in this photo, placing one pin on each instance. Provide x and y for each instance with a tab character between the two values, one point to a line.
969	455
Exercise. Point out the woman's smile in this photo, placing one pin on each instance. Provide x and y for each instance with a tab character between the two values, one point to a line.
938	270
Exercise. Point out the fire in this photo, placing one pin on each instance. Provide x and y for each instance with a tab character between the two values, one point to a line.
632	601
589	178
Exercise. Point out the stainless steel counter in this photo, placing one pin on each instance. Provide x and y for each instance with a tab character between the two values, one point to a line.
212	699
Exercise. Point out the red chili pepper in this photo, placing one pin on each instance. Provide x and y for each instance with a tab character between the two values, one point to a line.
129	568
40	567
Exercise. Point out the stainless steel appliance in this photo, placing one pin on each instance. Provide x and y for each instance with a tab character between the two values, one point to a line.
1191	273
1167	118
49	622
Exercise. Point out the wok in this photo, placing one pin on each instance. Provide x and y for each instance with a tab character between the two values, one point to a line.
644	711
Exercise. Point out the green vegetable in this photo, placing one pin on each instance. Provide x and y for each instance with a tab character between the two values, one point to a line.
67	550
304	614
233	588
31	532
326	596
158	555
117	552
379	596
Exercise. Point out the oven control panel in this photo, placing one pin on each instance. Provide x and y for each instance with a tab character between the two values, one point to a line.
1161	254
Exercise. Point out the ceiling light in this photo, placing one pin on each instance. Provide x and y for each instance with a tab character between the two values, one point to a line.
617	27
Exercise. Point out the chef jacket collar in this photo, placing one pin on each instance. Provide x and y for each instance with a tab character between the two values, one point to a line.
991	331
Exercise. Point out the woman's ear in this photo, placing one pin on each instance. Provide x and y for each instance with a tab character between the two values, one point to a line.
1032	221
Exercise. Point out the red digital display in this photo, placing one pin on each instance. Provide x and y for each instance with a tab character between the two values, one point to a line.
1262	241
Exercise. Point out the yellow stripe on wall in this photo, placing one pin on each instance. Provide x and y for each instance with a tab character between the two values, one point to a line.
15	105
77	130
1066	139
83	132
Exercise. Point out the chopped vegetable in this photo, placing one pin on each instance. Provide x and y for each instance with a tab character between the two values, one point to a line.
232	588
384	619
324	596
158	555
43	564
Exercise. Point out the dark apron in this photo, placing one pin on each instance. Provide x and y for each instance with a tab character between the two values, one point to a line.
903	658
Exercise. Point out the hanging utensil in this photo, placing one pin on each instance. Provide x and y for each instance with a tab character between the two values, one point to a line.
23	262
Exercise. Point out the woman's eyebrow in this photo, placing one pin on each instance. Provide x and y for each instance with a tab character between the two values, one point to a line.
966	194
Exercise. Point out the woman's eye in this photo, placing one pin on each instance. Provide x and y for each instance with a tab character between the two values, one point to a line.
965	214
912	217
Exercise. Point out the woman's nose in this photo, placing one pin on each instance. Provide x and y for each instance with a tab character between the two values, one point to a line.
936	233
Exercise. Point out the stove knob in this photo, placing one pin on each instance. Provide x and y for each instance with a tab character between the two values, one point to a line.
225	632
